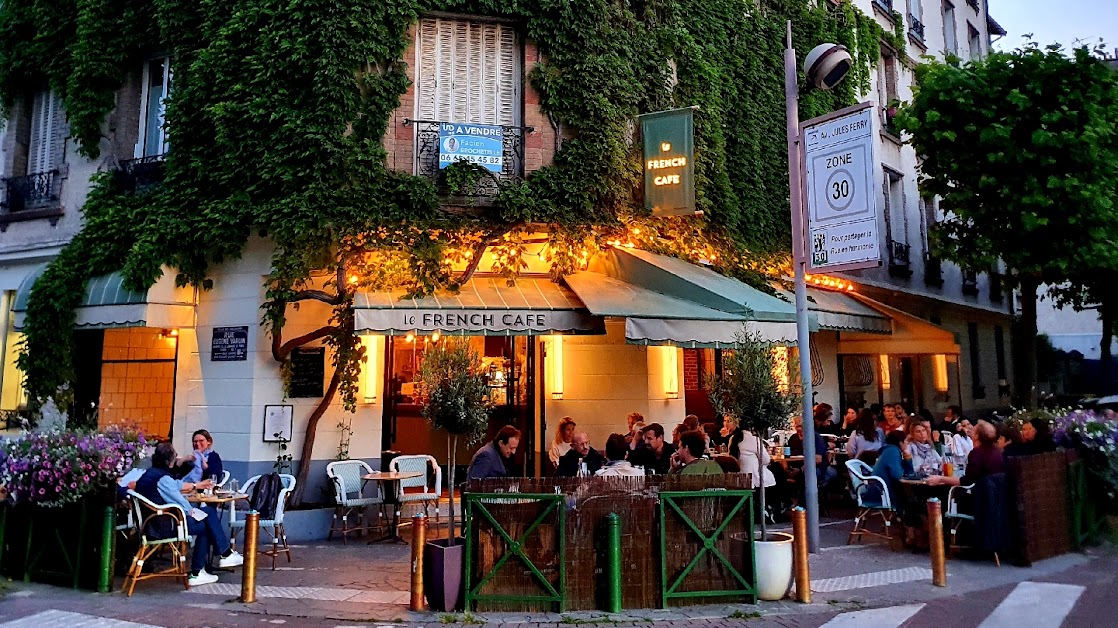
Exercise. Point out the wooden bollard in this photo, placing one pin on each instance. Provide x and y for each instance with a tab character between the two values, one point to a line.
935	543
248	569
418	540
799	556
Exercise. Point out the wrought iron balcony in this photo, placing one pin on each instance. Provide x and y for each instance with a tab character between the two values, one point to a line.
886	5
427	160
970	283
933	272
899	261
30	193
137	175
915	27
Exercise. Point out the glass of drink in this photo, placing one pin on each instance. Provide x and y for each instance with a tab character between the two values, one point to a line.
948	469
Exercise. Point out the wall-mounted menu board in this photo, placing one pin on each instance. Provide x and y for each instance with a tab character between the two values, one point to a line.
308	371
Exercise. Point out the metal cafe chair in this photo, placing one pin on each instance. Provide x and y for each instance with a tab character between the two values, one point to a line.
348	485
146	512
861	480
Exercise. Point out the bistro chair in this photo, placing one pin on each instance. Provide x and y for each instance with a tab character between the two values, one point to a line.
955	519
418	464
274	526
348	489
863	483
148	514
225	475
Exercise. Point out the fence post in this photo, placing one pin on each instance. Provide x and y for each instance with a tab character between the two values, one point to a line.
105	577
935	543
799	552
613	561
418	540
248	570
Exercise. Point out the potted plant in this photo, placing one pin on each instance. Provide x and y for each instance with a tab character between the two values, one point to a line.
748	395
456	399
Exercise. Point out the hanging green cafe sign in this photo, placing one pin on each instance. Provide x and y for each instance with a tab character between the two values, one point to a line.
669	164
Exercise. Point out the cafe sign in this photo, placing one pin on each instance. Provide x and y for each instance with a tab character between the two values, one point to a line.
511	322
669	162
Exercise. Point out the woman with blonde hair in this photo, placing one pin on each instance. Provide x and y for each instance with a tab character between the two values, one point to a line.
561	444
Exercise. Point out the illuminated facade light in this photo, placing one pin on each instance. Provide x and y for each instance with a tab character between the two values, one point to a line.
885	376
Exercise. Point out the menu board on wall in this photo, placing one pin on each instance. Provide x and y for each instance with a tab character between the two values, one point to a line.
308	371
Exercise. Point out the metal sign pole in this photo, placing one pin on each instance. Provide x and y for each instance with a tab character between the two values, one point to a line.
799	261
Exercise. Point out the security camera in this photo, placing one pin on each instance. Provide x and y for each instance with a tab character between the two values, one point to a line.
826	65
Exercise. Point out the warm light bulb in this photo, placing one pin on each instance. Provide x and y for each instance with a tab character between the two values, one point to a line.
435	337
353	279
410	337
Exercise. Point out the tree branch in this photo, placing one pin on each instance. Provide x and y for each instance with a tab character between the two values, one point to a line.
281	350
479	251
316	295
308	438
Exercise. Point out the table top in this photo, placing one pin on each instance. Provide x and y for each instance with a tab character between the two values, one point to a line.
198	498
789	459
391	476
923	482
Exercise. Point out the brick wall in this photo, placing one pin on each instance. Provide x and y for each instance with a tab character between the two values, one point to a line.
539	145
691	369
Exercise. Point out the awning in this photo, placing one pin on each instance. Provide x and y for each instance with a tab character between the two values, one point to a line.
839	311
911	335
483	306
107	303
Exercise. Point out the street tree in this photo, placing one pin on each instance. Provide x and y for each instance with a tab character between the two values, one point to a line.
1021	148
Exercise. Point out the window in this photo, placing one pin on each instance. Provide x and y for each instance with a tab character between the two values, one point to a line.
896	224
468	72
38	127
950	36
999	350
978	391
45	141
887	90
974	41
916	19
152	139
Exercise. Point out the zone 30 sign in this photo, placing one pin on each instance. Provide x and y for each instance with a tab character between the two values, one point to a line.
841	202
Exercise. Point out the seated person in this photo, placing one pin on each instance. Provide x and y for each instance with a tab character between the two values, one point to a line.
891	465
867	438
1036	437
985	459
920	450
824	472
491	461
656	455
617	450
581	452
159	487
207	464
689	460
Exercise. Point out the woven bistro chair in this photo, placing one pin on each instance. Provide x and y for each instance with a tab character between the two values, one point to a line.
274	526
429	495
861	481
348	494
145	512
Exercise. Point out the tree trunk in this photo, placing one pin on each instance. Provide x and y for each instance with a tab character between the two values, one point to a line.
1026	377
451	534
761	493
1106	313
308	437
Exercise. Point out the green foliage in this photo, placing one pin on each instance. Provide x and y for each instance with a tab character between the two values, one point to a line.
455	392
747	393
278	111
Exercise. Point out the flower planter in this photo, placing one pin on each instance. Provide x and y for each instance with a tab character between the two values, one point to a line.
443	574
70	546
774	565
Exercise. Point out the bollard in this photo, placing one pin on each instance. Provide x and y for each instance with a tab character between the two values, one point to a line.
613	561
799	552
418	540
105	577
248	570
935	543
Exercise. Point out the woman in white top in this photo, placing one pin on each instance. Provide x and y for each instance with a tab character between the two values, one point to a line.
959	446
561	444
753	456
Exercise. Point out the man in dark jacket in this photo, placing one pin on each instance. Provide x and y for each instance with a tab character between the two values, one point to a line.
581	451
490	460
656	457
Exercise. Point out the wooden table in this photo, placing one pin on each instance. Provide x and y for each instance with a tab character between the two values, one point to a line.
219	502
387	479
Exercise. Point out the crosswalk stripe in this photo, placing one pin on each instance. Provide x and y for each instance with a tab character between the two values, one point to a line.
66	619
872	579
889	617
1036	605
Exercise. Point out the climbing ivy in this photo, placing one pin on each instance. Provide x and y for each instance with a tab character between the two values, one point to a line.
279	108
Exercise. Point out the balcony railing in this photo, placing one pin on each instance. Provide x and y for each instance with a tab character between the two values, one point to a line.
137	175
974	5
899	260
427	159
970	283
933	272
39	191
886	5
915	27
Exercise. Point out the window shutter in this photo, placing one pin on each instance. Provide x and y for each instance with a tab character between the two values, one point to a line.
45	148
428	69
508	78
468	72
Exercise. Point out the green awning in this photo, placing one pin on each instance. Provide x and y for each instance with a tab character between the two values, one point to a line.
840	311
107	303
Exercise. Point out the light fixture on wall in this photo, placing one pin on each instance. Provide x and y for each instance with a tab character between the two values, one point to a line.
939	372
371	368
883	370
169	333
671	371
780	368
553	363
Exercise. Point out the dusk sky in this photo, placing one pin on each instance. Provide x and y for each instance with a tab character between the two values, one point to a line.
1061	21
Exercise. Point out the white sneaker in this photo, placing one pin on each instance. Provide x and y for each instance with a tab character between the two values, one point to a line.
202	578
232	560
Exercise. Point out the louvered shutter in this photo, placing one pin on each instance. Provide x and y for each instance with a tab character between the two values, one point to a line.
468	72
44	152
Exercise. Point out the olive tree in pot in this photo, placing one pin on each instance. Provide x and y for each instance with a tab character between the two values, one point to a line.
456	399
748	395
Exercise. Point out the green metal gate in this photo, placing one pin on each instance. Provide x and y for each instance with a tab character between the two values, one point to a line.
478	511
672	510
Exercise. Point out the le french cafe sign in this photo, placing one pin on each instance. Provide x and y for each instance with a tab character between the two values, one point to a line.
669	168
510	321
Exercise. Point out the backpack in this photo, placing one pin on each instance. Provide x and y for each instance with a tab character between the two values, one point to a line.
265	495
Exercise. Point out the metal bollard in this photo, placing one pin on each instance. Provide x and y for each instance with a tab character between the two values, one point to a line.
613	561
799	556
105	577
418	540
248	570
935	543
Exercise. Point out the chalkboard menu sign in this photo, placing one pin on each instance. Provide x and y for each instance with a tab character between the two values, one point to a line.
229	344
308	371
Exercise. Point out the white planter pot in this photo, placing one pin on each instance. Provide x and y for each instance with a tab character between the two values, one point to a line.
774	566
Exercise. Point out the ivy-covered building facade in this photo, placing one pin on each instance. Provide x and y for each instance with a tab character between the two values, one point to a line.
249	216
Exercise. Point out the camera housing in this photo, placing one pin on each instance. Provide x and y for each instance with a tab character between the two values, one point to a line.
827	65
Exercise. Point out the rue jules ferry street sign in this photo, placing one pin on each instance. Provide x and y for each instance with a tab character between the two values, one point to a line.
840	193
669	156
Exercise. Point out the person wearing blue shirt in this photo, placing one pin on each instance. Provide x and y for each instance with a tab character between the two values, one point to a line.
490	460
207	464
158	486
891	465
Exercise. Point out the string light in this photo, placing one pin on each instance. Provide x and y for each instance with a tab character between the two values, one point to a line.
830	283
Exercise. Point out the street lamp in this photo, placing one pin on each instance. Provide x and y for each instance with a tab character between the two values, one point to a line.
825	67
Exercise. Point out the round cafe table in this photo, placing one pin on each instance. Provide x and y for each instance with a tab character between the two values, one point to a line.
220	501
387	481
